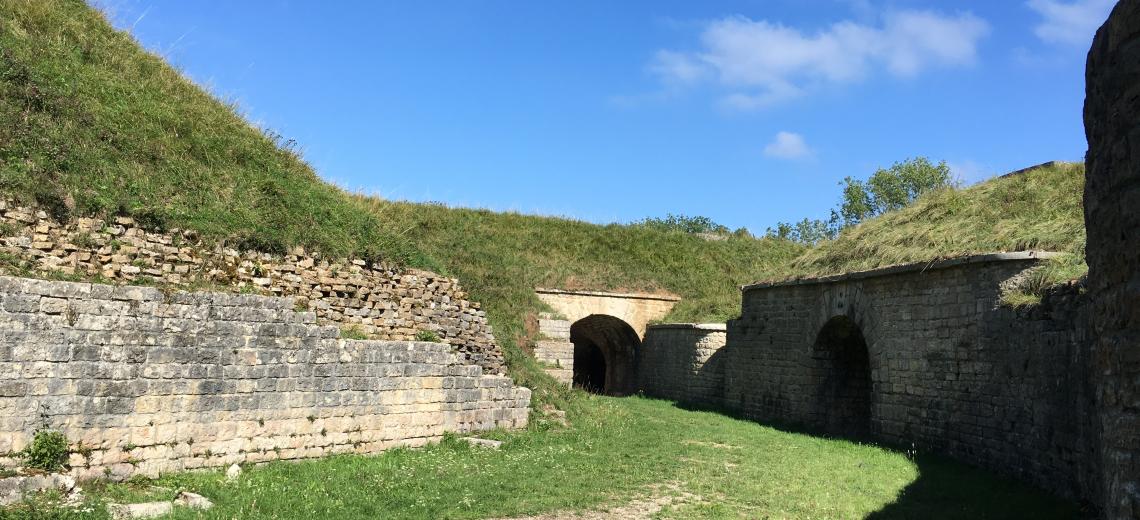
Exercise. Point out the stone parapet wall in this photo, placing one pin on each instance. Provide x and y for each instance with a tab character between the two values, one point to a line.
143	381
683	362
382	302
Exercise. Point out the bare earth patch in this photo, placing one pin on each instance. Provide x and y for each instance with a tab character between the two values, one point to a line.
660	497
711	444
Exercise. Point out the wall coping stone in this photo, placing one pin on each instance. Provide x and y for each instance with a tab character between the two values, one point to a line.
712	327
985	258
628	296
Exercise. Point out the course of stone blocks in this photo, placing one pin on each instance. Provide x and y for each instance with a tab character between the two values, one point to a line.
144	381
379	301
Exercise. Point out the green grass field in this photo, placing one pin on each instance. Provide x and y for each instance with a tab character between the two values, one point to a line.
619	450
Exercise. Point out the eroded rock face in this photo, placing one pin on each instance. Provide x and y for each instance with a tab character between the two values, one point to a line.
1112	217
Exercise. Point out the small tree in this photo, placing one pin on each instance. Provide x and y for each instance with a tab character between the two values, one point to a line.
886	190
685	224
890	189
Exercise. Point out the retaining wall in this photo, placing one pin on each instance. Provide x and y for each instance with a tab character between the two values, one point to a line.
382	302
949	369
683	362
152	382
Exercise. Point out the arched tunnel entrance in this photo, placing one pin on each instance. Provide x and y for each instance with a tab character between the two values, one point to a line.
605	354
843	397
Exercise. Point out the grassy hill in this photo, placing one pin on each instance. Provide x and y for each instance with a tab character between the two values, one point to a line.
92	124
1039	209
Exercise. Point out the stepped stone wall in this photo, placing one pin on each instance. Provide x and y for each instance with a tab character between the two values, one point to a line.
144	381
683	362
382	302
1112	218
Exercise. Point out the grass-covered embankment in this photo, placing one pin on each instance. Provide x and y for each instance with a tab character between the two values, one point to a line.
92	124
1040	209
619	450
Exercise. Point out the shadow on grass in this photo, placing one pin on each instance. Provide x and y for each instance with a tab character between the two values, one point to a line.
945	488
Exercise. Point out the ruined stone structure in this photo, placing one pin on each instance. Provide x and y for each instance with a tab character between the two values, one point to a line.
596	346
151	382
1112	218
381	302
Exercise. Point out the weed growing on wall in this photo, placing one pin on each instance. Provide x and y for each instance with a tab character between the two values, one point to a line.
427	335
48	451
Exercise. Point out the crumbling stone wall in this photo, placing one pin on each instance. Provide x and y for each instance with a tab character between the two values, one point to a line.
949	369
150	382
683	362
1112	218
383	302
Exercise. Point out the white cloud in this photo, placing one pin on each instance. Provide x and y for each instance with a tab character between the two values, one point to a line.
761	63
787	145
1071	23
969	172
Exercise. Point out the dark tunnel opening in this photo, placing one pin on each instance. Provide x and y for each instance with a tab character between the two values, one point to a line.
605	354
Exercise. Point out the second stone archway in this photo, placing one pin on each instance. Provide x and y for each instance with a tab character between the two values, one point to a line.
605	354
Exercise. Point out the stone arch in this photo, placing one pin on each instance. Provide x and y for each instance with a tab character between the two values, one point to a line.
844	391
605	354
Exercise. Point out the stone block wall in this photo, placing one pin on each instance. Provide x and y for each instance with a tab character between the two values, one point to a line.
943	366
382	302
144	381
683	362
1112	218
555	351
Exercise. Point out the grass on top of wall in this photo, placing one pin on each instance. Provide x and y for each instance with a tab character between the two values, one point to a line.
1040	209
621	450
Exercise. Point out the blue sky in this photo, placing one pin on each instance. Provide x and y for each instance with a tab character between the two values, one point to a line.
748	112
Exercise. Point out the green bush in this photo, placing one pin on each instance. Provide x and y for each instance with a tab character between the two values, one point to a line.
48	451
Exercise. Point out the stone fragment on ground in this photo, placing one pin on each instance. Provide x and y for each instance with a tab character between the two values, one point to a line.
144	510
192	500
233	473
483	443
555	415
14	489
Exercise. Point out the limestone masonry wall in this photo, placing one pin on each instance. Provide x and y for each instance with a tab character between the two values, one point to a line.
1112	218
555	351
150	382
381	301
926	358
683	362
